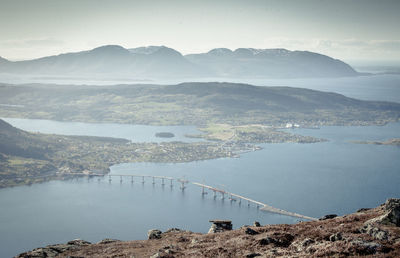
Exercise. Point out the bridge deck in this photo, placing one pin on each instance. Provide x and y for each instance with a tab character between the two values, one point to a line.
265	207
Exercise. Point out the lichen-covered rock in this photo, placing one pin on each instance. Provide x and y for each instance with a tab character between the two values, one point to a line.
154	234
108	241
335	237
392	213
220	226
392	206
173	230
256	224
375	232
78	242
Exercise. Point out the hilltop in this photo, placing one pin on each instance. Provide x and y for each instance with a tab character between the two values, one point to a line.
157	62
368	232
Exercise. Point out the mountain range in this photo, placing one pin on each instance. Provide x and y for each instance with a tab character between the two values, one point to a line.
163	62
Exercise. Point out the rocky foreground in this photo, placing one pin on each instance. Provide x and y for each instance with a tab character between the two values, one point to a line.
368	232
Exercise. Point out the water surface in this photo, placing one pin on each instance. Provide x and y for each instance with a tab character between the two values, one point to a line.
311	179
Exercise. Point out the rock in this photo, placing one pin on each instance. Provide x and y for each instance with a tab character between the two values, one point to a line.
335	237
250	231
78	242
108	241
391	216
256	224
51	250
251	255
329	216
278	239
306	242
364	247
156	255
283	240
363	209
154	234
266	241
220	226
173	230
375	232
392	206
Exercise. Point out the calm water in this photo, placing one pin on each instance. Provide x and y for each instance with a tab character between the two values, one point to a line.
311	179
135	133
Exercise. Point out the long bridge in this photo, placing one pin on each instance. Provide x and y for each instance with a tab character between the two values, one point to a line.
232	196
264	207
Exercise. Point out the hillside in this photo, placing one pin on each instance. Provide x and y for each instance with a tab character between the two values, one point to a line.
272	63
368	232
157	62
27	158
192	104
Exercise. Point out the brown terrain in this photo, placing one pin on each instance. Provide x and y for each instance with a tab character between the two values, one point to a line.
368	232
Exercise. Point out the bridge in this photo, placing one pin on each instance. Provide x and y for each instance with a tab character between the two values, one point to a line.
264	207
232	196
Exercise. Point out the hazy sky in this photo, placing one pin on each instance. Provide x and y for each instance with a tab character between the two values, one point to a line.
346	29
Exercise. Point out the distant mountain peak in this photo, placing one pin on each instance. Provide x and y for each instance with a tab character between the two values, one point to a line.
220	51
150	50
109	49
3	60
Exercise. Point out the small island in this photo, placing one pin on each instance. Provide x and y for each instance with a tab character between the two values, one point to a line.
165	135
395	141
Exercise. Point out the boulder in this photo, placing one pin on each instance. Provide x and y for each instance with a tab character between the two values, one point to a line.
154	234
220	226
335	237
250	231
363	209
375	232
173	230
108	241
362	247
78	242
391	215
392	206
329	216
256	224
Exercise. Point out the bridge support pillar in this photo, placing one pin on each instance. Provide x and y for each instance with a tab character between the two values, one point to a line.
183	186
109	178
120	179
215	194
153	181
223	196
171	183
248	203
162	181
132	179
142	179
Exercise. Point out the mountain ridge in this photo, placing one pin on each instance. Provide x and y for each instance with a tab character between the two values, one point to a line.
164	62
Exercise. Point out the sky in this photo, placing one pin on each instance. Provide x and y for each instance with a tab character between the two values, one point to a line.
351	30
